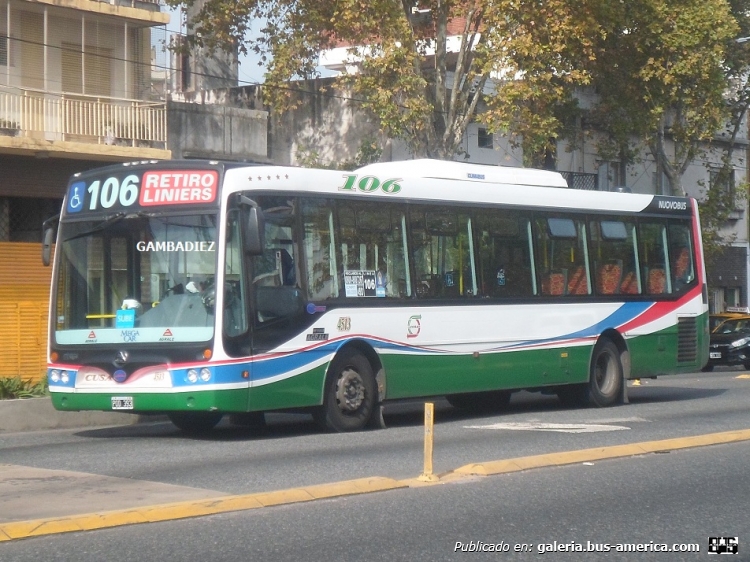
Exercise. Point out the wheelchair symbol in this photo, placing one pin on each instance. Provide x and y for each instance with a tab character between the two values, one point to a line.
75	201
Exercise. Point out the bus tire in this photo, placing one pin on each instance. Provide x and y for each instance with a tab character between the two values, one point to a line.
491	401
195	422
606	375
349	395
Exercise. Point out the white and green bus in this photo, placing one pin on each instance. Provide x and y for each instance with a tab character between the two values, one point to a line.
198	289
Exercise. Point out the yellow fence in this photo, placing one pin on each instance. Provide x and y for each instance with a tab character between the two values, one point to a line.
24	302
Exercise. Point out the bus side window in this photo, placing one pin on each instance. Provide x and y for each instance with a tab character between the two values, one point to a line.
504	267
371	241
681	256
563	263
655	266
319	252
443	253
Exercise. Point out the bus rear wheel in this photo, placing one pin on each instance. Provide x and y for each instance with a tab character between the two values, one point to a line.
605	380
350	393
195	422
606	376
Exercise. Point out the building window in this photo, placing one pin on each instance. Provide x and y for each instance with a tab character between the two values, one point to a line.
611	175
3	50
485	139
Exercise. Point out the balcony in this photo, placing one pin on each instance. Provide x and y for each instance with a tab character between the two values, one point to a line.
88	126
581	180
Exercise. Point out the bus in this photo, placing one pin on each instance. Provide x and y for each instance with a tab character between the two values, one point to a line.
199	289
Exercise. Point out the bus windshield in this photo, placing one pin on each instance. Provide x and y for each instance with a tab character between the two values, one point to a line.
136	278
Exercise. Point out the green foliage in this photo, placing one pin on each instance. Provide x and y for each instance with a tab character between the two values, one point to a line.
16	387
660	67
715	207
369	152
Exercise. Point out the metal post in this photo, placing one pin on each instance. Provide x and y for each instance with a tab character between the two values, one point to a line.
429	419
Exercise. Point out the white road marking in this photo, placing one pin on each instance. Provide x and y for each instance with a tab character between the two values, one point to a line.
556	427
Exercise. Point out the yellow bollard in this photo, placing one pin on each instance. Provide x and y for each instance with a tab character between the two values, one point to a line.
429	420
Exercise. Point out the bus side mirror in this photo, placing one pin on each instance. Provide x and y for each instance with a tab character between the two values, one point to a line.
48	237
253	230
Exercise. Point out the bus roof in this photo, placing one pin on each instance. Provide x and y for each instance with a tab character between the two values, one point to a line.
437	180
444	169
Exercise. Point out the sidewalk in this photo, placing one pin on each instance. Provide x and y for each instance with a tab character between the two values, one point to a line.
37	414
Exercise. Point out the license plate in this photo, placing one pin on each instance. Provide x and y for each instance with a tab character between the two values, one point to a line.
122	402
714	355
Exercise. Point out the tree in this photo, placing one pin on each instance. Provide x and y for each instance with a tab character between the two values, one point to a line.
657	65
721	197
420	89
661	76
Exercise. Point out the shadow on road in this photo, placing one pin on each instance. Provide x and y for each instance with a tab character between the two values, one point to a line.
401	413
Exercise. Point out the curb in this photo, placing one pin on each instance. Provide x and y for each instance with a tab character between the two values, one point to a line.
37	414
182	510
601	453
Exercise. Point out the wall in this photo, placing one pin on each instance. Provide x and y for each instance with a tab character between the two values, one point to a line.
201	130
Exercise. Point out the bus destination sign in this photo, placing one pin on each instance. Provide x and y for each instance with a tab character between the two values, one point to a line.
146	189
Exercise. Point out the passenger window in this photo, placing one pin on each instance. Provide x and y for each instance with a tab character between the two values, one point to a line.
319	250
443	253
655	267
504	254
563	263
613	250
372	249
681	256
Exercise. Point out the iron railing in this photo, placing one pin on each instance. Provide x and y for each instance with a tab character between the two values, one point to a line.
82	118
581	180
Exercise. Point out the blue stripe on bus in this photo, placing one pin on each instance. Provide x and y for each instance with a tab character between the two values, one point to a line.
278	365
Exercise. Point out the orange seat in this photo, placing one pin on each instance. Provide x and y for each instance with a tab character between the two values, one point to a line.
608	279
629	285
553	284
657	281
681	263
578	283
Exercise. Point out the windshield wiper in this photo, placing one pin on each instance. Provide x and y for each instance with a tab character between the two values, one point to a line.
109	221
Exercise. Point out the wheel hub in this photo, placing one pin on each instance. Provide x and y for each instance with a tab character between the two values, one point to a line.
350	390
606	374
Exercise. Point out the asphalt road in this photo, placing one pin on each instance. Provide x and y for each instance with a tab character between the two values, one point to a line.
292	451
673	497
678	498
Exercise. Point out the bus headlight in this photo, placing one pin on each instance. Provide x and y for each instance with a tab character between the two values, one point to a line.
192	375
205	374
64	377
54	376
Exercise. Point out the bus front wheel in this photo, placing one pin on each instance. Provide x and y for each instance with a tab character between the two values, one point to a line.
350	393
195	422
606	379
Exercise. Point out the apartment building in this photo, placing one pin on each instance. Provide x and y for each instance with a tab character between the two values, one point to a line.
75	93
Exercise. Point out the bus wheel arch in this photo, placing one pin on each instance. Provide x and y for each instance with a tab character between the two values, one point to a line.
350	390
598	390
